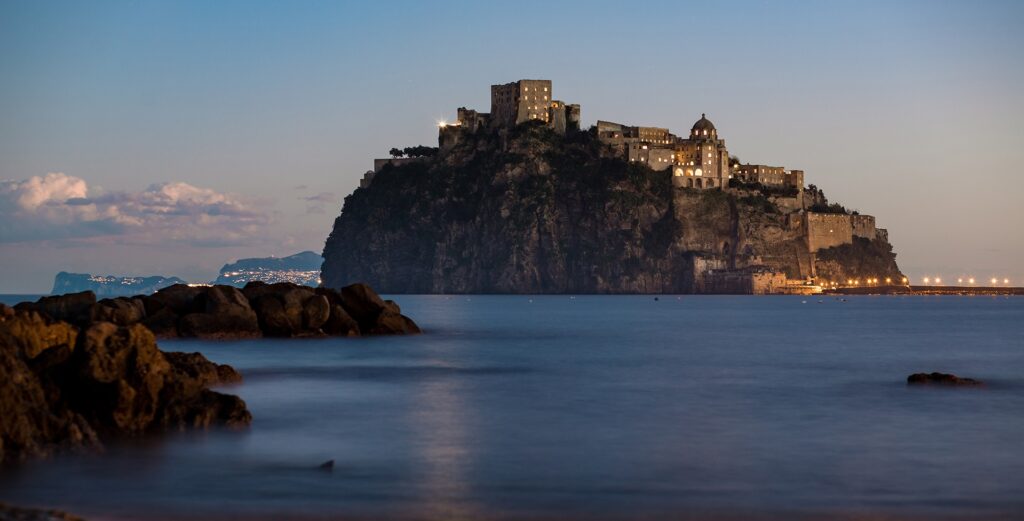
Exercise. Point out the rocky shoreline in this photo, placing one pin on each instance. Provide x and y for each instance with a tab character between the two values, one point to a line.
75	372
65	387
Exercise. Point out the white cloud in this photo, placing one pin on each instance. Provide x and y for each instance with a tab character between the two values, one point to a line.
58	207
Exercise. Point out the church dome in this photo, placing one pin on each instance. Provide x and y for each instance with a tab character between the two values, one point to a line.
703	124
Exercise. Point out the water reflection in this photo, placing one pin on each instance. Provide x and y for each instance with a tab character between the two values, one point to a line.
440	424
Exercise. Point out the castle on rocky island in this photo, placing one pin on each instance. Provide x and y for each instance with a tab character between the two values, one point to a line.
697	162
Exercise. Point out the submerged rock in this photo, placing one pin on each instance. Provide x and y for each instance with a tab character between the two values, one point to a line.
62	387
940	379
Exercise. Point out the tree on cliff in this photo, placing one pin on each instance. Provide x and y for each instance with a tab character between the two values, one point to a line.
420	151
396	153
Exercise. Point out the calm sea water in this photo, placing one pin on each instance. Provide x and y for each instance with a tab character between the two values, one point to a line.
597	407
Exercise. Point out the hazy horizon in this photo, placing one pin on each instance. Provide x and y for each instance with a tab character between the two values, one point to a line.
171	138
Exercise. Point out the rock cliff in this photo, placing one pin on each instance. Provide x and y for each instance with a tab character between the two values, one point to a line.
529	211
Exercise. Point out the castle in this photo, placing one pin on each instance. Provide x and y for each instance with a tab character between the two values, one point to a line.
698	161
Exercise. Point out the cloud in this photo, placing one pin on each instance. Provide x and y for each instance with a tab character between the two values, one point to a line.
59	207
318	201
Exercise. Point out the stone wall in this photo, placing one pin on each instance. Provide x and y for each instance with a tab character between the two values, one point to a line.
744	282
863	226
825	230
658	158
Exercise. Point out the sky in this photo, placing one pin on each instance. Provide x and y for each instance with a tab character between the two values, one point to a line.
148	137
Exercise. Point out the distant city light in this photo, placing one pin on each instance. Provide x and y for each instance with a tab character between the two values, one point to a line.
971	280
994	280
938	280
1006	281
927	280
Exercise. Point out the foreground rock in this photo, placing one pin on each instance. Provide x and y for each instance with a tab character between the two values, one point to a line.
225	312
64	386
12	513
940	379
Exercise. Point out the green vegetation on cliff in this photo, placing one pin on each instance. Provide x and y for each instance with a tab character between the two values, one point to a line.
863	259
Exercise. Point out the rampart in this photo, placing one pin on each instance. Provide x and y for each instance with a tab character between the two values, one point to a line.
825	230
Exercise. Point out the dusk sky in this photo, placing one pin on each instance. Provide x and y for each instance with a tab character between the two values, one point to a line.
169	138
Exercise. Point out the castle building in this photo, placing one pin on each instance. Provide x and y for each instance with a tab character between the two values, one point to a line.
702	160
775	176
512	104
529	100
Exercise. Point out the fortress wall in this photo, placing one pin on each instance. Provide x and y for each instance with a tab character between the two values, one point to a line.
825	230
882	234
863	226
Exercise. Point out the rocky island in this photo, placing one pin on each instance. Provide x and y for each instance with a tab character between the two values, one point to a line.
302	268
521	200
110	285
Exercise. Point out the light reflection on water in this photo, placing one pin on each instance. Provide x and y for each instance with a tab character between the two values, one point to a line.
596	407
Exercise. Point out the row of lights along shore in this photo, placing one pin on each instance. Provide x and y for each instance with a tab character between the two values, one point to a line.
858	282
927	281
970	281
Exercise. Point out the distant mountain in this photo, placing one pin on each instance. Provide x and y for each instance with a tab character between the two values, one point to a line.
109	285
301	268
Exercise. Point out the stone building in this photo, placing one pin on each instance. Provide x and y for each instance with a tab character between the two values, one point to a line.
775	176
702	160
512	104
520	101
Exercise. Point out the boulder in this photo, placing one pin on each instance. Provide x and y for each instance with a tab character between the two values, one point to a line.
181	298
75	308
218	327
225	314
363	304
32	333
316	310
391	323
121	310
163	323
282	309
196	367
61	388
940	379
340	323
30	427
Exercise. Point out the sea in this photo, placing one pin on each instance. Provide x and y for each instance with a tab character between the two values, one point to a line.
595	407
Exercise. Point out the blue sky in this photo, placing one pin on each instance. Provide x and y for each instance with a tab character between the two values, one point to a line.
193	133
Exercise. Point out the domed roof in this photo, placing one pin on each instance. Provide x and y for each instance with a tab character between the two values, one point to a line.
703	124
